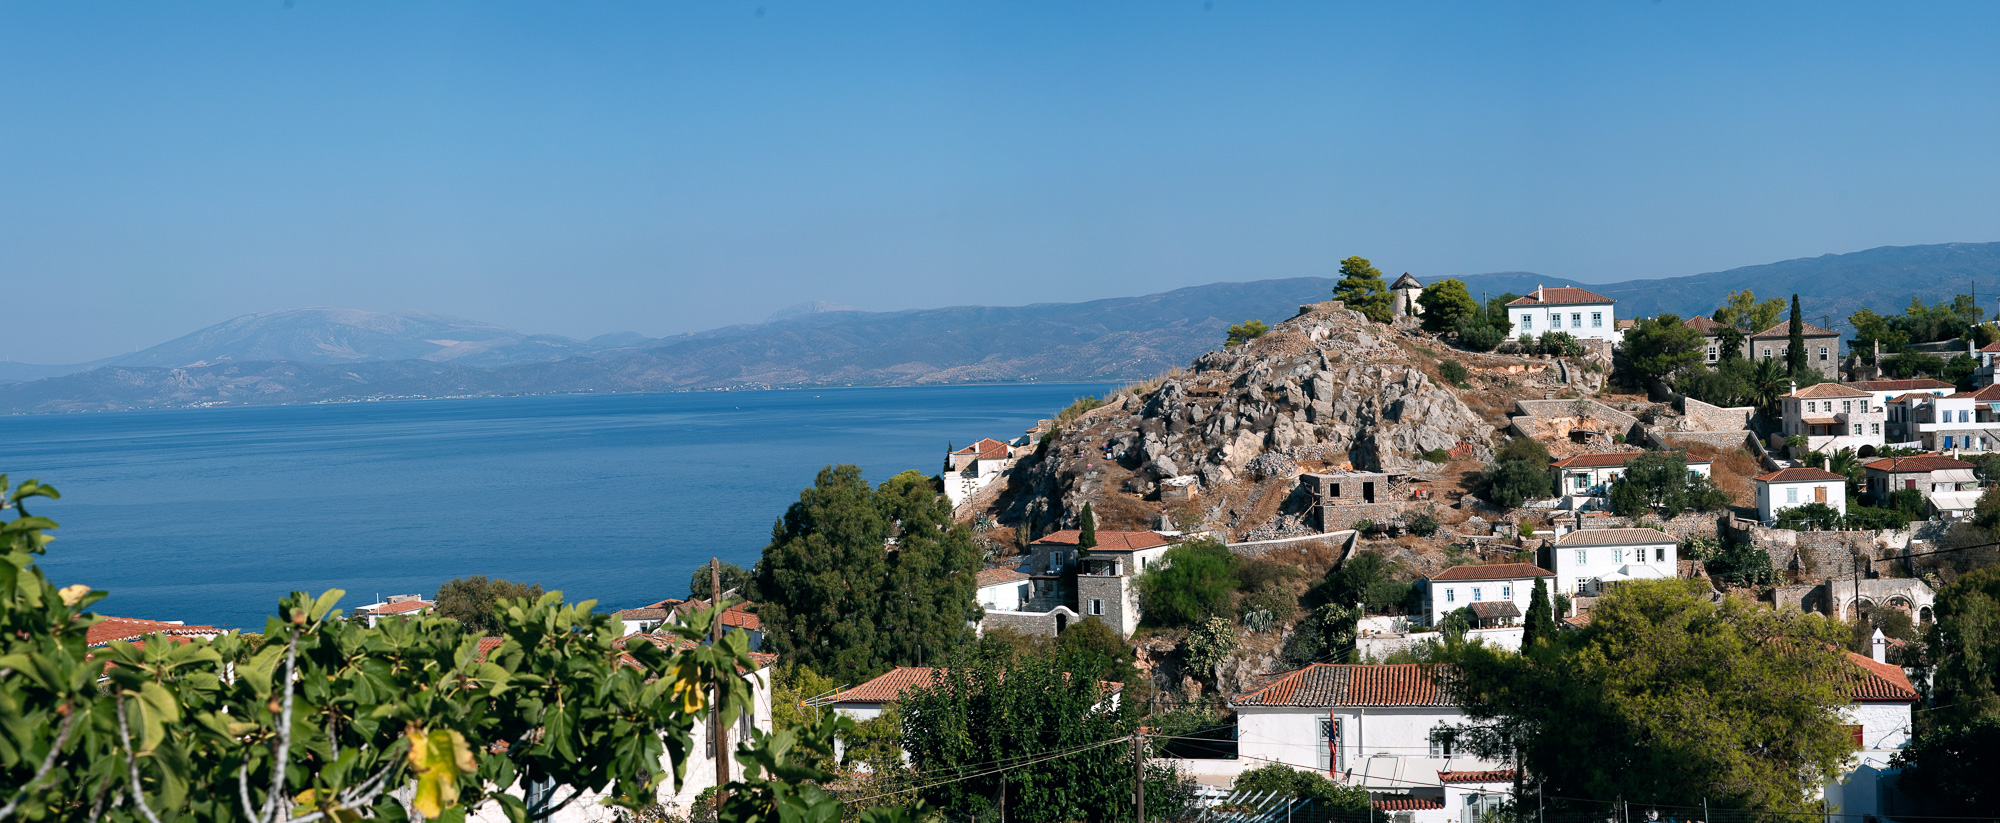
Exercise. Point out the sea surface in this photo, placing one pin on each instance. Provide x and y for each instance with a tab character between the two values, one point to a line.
211	515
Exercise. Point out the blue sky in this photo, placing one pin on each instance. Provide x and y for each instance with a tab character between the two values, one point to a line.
670	166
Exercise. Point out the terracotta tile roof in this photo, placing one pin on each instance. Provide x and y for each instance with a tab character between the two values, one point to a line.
641	614
1626	324
986	449
1110	541
1784	330
129	628
1490	776
1560	296
1993	346
1827	390
1915	395
1799	474
403	607
1899	385
1494	609
1880	682
1918	463
488	644
1579	621
1323	685
1987	394
1614	537
1492	571
1599	460
995	577
1703	324
1407	804
889	686
740	617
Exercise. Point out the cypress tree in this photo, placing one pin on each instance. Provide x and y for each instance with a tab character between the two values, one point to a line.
1086	537
1795	352
1541	623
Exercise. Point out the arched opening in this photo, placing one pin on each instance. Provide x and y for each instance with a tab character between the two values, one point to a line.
1924	615
1062	622
1865	452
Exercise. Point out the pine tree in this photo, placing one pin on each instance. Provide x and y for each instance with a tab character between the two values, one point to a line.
1086	536
1795	352
1362	289
1541	623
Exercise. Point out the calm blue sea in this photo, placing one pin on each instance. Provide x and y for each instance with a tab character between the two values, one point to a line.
212	515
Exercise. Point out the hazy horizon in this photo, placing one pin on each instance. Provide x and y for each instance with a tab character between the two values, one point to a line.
666	168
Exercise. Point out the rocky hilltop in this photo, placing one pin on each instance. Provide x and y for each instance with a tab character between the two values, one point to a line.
1325	390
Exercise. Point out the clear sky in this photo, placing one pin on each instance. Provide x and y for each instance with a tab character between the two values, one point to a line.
667	166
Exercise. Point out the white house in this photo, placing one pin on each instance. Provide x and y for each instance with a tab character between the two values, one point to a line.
1565	309
1405	291
1366	725
1878	714
1499	585
1591	475
1786	488
1832	417
1004	589
1886	390
1586	559
1950	487
398	605
971	468
1956	422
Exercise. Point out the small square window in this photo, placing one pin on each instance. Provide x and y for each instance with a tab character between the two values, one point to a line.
1576	320
1527	322
1506	592
1581	557
1097	607
1660	555
1476	594
1450	595
1822	354
1597	320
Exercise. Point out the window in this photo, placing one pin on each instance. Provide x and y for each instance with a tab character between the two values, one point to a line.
1874	428
1822	354
1576	320
1857	428
1617	555
1441	742
1660	555
1580	557
1767	352
1711	354
1854	734
1792	494
1327	761
1506	591
1097	607
1527	322
1450	595
1864	406
1597	320
1964	415
1948	442
1476	595
1846	406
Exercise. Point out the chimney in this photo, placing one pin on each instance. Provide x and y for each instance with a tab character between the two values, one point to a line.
1880	647
1826	462
1538	291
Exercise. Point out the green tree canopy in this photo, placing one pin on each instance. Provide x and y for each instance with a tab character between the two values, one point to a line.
1540	626
836	599
1795	342
1659	481
1519	472
475	601
1742	312
1086	534
1191	583
734	577
1668	694
1445	304
1345	802
1362	289
1957	746
1245	332
1662	347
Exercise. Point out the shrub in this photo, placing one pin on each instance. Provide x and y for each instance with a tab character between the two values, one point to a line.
1278	606
1453	372
1423	525
1364	526
1741	564
1699	548
1082	406
1478	335
1509	483
1326	795
1208	645
1325	634
1191	584
1560	344
1437	456
1245	332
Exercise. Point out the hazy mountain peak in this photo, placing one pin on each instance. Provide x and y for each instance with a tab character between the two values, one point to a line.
330	334
806	308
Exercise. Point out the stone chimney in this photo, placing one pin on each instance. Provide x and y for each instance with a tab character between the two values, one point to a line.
1880	647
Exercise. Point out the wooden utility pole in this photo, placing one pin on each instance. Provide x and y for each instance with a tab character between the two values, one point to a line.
721	731
1139	775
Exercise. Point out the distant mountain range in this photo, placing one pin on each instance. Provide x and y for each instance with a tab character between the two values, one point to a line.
325	354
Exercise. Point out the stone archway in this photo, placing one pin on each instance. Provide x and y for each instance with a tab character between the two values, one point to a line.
1924	615
1857	609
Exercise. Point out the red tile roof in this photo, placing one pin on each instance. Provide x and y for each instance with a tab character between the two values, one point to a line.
1899	385
1784	330
889	686
1917	463
1407	804
1579	621
1599	460
1817	390
986	449
1993	346
1333	684
1799	474
1490	776
1880	682
1915	395
1614	537
1987	394
128	628
1110	541
1703	324
641	614
995	577
403	607
1559	296
488	644
676	643
739	617
1492	571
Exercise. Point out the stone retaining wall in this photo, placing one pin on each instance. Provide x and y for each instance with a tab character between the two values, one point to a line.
1811	555
1688	524
1718	439
1035	624
1569	408
1706	417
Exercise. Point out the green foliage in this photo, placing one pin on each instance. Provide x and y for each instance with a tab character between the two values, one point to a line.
1029	710
1810	517
1910	502
1245	332
734	577
1559	344
1959	370
1700	548
1446	303
1327	796
1078	408
1326	634
1919	323
1453	372
1668	694
876	744
1729	383
793	685
1540	625
1519	472
195	730
1987	465
1659	481
1423	525
1742	312
1437	456
1742	564
1966	635
1795	349
835	598
1478	335
1086	534
1191	584
474	601
1952	765
1207	645
1194	730
1909	364
1662	347
1362	289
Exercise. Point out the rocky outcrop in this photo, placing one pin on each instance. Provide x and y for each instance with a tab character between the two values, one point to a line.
1326	387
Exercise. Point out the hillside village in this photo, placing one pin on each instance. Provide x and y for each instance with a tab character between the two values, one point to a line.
1311	551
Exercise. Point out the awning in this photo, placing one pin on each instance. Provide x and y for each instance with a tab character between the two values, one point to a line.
1495	609
1954	501
1953	476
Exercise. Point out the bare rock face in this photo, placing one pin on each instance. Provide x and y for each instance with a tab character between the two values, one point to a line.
1326	385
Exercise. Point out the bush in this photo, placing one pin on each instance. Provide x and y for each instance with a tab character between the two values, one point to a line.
1277	605
1208	645
1245	332
1437	456
1324	635
1741	564
1478	335
1191	584
1509	483
1423	525
1910	502
1326	795
1560	344
1703	549
1453	372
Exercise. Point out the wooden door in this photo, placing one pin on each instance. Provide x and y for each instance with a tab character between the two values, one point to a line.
1819	494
